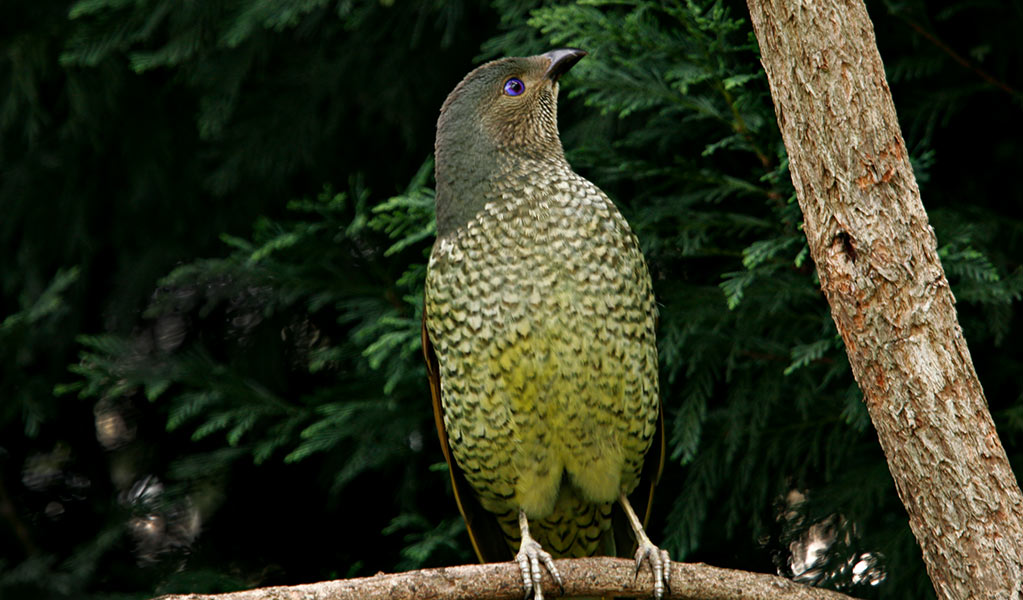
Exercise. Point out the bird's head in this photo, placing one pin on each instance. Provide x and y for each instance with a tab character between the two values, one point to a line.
504	110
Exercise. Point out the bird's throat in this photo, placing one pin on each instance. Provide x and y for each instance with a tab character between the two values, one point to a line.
467	182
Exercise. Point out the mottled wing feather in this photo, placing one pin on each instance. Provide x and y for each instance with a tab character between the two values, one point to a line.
653	466
484	531
643	496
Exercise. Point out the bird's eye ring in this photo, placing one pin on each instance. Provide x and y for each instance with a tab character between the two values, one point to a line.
514	86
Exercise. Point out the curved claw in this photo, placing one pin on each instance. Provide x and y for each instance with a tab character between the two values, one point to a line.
529	557
660	564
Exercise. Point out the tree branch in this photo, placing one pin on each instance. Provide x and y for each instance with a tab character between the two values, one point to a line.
930	37
502	581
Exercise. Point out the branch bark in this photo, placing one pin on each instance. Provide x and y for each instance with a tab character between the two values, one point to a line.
879	268
503	581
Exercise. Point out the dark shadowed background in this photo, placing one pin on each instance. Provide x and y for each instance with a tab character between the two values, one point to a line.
214	218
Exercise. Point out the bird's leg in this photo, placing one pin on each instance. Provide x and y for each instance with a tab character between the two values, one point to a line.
660	562
529	558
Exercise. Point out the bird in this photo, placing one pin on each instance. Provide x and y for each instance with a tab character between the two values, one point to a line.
539	334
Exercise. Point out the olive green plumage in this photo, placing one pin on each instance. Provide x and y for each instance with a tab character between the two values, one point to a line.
540	312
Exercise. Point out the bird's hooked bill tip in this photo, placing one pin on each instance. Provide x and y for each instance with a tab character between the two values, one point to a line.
562	60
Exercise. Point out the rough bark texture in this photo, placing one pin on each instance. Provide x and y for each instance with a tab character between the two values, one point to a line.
879	268
503	581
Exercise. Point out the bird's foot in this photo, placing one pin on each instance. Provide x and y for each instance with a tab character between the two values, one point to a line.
529	557
660	564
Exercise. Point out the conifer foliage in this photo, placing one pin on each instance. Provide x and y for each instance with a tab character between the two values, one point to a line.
227	168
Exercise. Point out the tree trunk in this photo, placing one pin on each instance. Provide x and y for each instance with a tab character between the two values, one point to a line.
879	268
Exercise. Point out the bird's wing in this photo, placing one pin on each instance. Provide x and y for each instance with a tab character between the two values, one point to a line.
485	533
643	496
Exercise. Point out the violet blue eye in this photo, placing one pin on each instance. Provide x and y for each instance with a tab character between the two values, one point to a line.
514	86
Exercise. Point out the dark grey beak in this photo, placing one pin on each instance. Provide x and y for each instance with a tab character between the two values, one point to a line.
562	60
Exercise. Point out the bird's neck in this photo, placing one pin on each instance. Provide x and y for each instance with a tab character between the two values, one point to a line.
466	183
